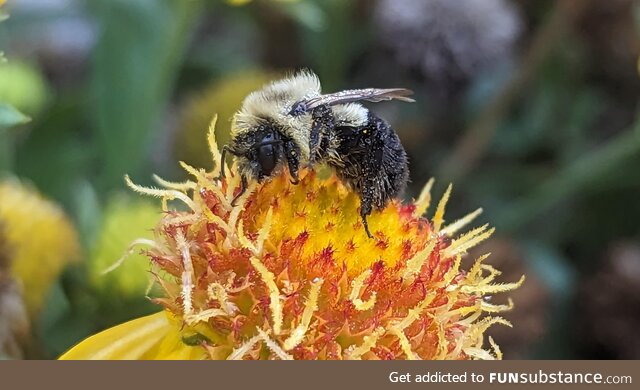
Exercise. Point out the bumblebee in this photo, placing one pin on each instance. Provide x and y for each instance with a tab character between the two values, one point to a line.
291	123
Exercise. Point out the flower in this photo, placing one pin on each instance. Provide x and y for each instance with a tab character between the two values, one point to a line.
289	273
41	237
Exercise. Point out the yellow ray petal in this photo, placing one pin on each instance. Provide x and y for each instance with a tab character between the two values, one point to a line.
438	218
451	229
150	337
424	200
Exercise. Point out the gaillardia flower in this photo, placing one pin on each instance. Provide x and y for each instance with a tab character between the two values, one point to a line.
289	273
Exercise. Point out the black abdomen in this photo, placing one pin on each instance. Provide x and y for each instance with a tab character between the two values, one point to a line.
372	161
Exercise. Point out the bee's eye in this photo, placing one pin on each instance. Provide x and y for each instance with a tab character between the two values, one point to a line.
267	155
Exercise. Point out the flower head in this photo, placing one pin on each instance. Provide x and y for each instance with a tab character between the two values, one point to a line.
40	236
289	273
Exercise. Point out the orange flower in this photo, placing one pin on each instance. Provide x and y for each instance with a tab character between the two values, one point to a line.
290	273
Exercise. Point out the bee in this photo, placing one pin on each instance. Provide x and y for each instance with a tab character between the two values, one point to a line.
290	123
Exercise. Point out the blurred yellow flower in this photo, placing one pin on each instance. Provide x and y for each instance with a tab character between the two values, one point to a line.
124	221
41	237
223	96
289	273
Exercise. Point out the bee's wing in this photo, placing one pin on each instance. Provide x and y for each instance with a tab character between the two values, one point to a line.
353	95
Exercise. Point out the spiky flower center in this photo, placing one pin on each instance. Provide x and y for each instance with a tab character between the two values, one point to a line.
288	272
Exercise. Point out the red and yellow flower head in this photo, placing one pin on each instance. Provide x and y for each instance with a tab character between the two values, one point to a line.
289	273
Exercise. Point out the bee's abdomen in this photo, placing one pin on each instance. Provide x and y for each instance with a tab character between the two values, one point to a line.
372	161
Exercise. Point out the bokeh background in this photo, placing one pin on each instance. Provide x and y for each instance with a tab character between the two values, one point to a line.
529	107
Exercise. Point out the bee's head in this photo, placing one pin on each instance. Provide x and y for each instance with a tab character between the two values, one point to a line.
264	134
259	152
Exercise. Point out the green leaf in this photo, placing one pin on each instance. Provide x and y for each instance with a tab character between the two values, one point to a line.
135	63
327	23
87	212
10	117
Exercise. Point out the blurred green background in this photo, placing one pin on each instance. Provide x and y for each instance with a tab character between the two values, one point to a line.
529	108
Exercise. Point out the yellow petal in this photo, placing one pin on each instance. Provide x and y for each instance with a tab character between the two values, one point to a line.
150	337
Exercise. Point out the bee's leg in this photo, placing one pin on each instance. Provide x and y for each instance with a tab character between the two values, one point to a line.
226	149
322	123
243	188
293	160
365	210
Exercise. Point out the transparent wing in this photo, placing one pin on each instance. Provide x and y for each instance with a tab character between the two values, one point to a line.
353	95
